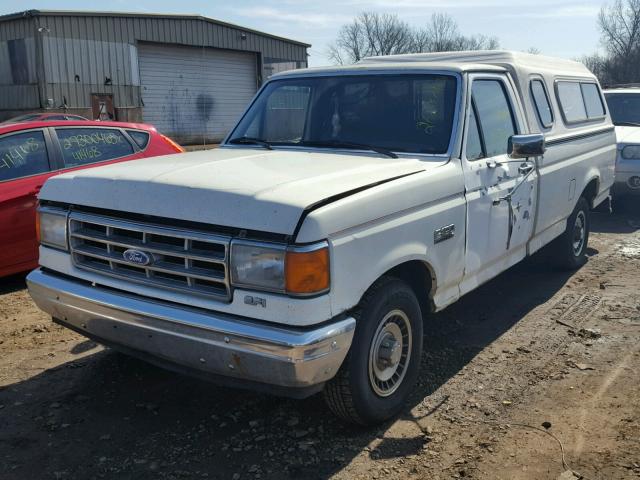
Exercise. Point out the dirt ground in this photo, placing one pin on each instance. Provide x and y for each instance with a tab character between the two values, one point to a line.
535	345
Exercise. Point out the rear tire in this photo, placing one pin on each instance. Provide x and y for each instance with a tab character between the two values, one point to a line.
378	375
571	247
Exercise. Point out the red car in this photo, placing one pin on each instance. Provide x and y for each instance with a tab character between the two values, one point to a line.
49	117
32	152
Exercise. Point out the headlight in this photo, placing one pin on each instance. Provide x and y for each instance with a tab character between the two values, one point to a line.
276	268
51	227
631	152
257	265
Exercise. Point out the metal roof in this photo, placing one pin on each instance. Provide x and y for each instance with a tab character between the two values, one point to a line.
76	13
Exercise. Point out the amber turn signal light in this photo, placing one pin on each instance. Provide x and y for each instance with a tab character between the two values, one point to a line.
307	272
38	227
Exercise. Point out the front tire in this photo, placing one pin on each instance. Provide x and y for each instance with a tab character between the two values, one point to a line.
571	247
377	376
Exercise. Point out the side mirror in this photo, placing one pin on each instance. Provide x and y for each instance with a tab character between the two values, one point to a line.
523	146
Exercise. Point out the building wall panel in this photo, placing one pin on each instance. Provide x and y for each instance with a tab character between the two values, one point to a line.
192	93
92	61
99	46
125	96
19	28
18	97
188	31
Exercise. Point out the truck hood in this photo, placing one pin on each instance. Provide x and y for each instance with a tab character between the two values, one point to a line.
243	188
626	135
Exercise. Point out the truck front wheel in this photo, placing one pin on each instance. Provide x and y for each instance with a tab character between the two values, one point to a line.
381	368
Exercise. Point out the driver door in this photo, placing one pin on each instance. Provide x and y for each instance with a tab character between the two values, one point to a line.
501	192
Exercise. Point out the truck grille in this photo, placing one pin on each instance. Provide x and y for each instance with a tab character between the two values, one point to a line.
164	257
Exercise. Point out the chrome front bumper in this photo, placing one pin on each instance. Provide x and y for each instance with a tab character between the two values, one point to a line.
204	343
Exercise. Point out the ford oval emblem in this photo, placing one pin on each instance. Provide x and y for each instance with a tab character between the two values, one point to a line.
137	257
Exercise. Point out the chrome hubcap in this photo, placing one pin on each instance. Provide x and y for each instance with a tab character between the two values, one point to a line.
390	353
579	233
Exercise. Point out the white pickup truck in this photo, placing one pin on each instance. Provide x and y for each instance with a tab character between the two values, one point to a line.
347	203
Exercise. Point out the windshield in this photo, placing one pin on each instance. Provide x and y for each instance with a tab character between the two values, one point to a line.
624	107
401	113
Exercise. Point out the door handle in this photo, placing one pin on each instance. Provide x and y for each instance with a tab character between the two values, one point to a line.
525	168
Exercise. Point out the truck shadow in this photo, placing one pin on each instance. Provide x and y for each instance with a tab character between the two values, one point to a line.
113	416
625	217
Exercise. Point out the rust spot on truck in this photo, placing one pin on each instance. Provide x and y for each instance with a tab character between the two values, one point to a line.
237	364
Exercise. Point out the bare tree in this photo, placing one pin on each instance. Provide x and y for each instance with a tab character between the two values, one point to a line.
421	40
386	34
443	34
597	64
373	34
479	42
620	28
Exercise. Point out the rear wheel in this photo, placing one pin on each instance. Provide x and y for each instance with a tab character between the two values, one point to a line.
571	247
381	368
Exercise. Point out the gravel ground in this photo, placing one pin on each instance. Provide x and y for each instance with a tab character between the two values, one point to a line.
534	346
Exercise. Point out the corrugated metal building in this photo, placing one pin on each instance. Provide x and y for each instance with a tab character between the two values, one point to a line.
188	75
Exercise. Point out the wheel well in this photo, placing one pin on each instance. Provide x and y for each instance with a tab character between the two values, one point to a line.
420	278
591	191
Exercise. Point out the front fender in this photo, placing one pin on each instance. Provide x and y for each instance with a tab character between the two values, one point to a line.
360	257
375	230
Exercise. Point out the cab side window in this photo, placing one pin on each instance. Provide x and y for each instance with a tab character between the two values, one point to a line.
592	100
23	155
580	101
570	96
541	102
494	118
81	146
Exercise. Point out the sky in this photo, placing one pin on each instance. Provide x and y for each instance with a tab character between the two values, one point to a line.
563	28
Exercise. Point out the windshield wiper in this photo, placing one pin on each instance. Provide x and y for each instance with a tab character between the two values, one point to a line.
626	124
250	141
359	146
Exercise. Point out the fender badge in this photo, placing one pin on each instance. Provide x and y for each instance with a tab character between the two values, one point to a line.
255	301
444	233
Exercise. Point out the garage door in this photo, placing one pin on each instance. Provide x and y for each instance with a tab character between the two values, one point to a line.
194	94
